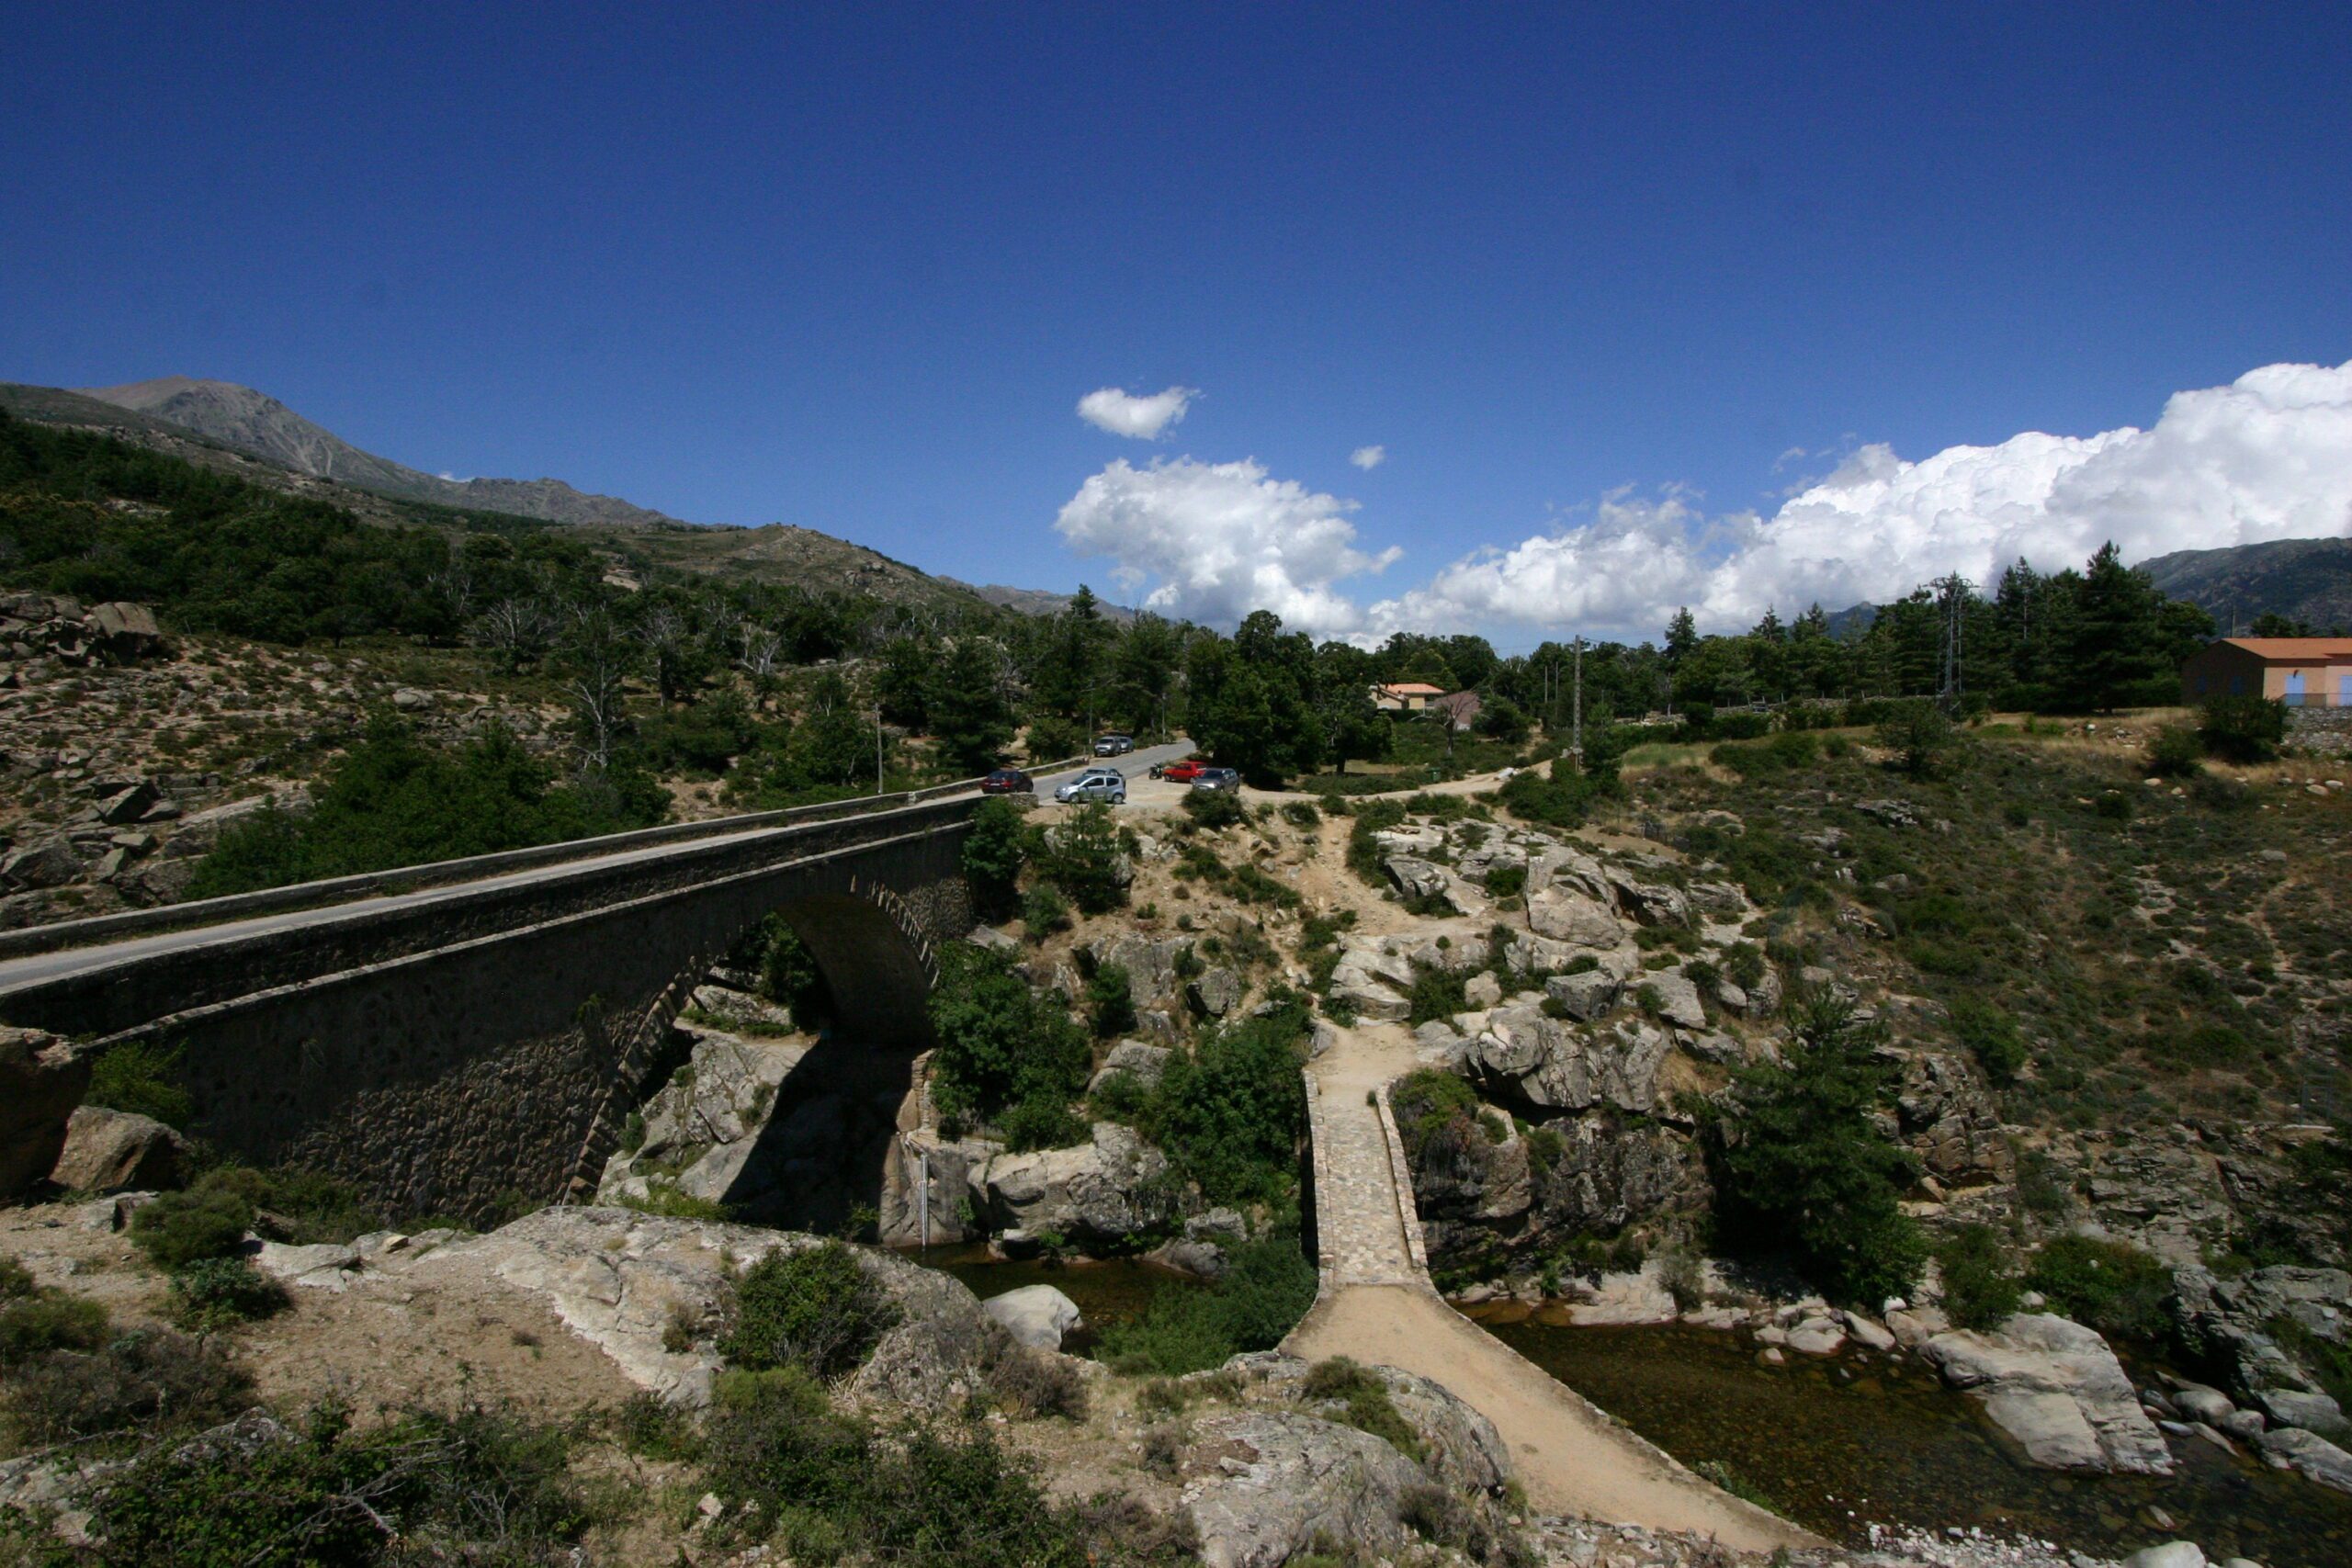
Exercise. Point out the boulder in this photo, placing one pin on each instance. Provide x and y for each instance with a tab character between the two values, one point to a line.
1570	870
1587	996
116	1151
41	1082
1461	1447
1145	1064
2171	1554
1677	998
120	808
1215	992
703	1127
125	631
1523	1055
2293	1407
1651	903
1151	964
1268	1486
326	1267
1416	878
1950	1121
631	1283
1483	991
1037	1315
741	1012
44	862
2056	1388
1098	1193
1573	919
2309	1455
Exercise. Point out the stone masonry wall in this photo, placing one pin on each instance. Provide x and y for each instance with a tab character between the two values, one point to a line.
442	1081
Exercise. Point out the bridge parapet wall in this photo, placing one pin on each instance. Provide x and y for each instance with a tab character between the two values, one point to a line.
123	998
448	1056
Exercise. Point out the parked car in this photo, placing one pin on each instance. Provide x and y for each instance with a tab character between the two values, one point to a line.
1096	784
1216	779
1114	745
1184	771
1007	781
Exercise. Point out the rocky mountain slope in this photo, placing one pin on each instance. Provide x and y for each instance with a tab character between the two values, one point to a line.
257	424
2305	580
222	425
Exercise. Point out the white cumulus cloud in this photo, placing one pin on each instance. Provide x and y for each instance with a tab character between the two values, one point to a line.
1368	457
1220	540
2268	457
1144	418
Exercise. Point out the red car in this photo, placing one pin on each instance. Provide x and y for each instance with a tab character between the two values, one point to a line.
1183	772
1006	781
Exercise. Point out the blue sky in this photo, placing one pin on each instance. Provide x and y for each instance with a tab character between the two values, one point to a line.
853	268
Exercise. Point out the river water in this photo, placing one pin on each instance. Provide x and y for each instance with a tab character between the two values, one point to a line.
1836	1443
1840	1442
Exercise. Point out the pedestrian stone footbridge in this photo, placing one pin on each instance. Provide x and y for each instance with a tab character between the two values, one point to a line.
451	1035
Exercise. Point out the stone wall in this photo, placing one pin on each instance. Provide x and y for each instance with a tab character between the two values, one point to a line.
2326	732
447	1079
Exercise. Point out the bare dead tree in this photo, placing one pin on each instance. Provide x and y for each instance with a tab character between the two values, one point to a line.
519	630
598	661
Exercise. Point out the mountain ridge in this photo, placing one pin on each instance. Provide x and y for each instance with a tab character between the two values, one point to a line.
252	422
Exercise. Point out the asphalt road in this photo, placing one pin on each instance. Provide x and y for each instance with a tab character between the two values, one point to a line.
1136	765
37	966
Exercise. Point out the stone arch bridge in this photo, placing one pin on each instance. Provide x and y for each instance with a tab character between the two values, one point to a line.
446	1046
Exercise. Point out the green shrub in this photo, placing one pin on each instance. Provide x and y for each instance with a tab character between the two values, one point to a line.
1080	857
1302	813
1267	1288
144	1080
999	1043
825	1489
216	1293
1980	1289
2243	728
1040	1123
154	1379
1214	809
1437	993
2174	751
1992	1037
817	1309
178	1228
1231	1115
479	1486
1565	799
1043	913
1363	1400
1505	880
2113	806
33	1321
994	852
1919	733
670	1201
1800	1164
393	800
1426	1102
1110	1003
2118	1290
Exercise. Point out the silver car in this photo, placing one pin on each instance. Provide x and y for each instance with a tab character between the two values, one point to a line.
1212	779
1095	783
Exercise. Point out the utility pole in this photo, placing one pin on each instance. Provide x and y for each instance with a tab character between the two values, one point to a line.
877	748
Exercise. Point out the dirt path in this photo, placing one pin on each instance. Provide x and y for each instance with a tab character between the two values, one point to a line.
1377	1306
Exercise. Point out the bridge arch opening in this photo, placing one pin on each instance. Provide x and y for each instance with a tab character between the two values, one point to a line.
799	1130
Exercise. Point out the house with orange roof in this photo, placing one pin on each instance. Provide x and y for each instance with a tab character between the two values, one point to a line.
2300	672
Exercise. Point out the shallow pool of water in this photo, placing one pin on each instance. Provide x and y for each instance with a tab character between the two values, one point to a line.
1836	1444
1112	1291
